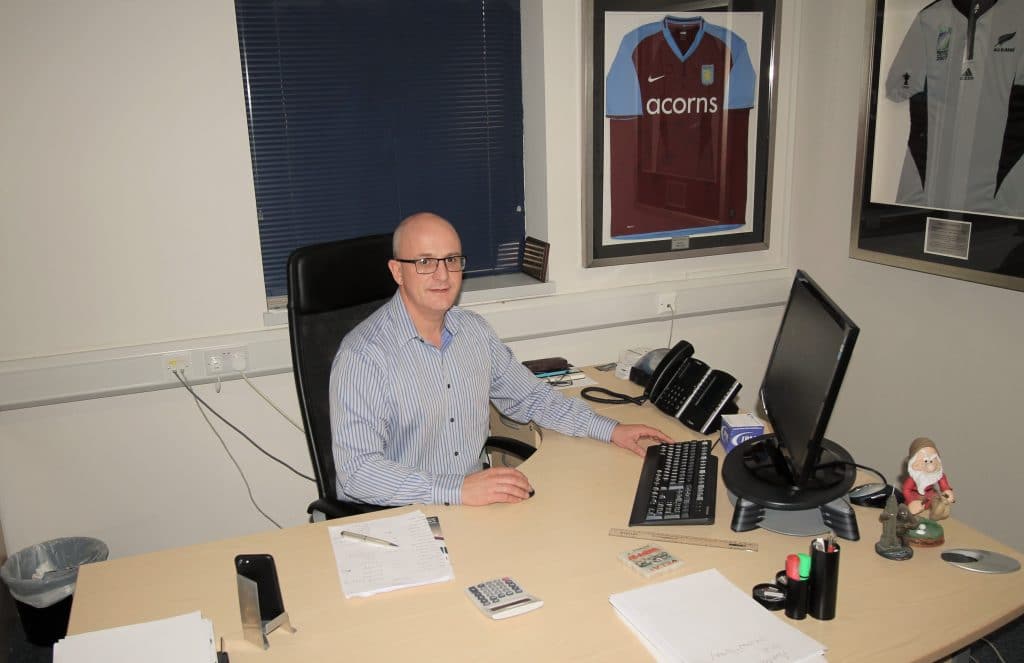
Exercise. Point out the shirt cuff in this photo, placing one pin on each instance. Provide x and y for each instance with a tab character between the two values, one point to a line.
448	489
601	428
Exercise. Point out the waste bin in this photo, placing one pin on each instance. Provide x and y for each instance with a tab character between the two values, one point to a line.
42	581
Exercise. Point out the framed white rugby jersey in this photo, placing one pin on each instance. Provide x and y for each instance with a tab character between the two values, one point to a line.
960	72
940	184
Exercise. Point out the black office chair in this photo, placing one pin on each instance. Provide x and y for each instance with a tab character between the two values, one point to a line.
332	287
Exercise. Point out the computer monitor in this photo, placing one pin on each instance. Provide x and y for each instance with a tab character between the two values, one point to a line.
812	350
794	480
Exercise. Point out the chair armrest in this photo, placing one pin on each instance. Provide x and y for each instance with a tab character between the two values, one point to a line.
331	509
323	509
510	445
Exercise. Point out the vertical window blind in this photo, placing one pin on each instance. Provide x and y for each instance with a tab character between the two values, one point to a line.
362	112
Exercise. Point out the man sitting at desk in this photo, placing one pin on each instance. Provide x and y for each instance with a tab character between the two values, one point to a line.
410	389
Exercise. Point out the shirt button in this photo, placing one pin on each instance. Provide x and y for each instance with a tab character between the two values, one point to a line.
452	420
456	453
449	386
447	504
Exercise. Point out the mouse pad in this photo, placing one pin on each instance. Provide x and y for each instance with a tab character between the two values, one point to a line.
982	561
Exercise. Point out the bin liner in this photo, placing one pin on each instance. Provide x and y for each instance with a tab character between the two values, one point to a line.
43	574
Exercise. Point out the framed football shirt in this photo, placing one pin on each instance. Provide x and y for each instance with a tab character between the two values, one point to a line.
678	97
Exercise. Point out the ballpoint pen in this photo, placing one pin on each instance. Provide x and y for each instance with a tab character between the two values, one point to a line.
367	539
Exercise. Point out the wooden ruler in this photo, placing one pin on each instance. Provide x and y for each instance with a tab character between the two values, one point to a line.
683	538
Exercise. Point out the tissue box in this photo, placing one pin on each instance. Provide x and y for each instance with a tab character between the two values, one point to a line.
737	428
627	358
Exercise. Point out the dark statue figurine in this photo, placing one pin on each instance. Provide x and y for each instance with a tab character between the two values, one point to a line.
896	522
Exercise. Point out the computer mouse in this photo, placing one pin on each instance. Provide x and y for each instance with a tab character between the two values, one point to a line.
873	494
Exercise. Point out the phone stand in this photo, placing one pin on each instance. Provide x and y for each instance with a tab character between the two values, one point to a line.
256	627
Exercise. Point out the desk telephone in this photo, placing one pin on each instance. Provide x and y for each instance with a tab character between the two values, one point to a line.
686	388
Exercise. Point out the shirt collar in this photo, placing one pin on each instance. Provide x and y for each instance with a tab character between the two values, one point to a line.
405	330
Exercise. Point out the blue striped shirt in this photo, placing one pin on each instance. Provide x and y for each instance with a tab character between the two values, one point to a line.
408	420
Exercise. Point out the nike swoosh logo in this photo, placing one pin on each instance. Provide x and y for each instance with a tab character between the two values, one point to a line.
651	79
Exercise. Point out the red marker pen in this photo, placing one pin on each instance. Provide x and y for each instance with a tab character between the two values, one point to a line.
797	570
793	567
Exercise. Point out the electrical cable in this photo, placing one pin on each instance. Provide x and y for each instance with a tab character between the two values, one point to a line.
849	462
671	324
892	489
238	467
587	393
998	655
237	430
271	403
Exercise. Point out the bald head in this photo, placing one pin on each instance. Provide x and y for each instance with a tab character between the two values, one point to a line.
427	296
415	225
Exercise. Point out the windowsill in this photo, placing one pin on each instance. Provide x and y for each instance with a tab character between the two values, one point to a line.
476	290
483	289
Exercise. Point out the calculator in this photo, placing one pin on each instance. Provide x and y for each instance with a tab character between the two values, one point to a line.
502	597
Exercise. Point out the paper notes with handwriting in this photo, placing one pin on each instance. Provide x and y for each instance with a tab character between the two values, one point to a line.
366	569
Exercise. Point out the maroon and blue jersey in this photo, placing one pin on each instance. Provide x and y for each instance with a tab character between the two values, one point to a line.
678	97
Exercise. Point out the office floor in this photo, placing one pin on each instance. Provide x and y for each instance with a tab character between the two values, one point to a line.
1009	640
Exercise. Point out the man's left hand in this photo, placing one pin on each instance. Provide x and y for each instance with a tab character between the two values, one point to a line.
629	436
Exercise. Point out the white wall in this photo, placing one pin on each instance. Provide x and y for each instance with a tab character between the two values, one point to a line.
127	187
129	219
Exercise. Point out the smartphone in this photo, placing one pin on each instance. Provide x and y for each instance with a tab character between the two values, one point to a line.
261	569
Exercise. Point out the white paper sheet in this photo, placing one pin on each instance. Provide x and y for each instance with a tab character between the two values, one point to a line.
703	617
186	638
365	569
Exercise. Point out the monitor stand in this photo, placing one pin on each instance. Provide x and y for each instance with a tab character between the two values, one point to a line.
763	495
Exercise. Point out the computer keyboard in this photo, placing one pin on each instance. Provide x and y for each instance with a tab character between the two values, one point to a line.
677	485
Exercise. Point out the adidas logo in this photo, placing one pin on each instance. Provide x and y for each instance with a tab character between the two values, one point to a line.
967	75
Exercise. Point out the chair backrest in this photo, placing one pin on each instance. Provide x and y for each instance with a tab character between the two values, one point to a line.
332	287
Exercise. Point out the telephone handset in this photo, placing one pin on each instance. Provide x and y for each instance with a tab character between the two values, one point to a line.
684	387
681	387
666	368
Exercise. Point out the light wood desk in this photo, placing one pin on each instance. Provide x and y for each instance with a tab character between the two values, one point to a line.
557	545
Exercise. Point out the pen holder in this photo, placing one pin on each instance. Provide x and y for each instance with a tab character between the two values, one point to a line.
796	598
824	582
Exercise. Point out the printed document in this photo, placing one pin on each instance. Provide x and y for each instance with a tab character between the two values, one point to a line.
186	638
703	617
366	568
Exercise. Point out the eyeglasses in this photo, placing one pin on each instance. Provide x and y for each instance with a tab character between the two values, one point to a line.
429	265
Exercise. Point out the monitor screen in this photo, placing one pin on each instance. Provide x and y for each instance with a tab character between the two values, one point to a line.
805	371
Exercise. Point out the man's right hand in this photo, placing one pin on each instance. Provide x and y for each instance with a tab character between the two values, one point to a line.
497	484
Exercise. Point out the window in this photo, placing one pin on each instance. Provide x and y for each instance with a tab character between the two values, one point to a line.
362	112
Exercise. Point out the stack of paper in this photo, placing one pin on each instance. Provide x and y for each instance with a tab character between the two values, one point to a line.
704	617
183	639
366	569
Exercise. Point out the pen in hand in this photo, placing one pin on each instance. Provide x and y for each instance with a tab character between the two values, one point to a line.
367	539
